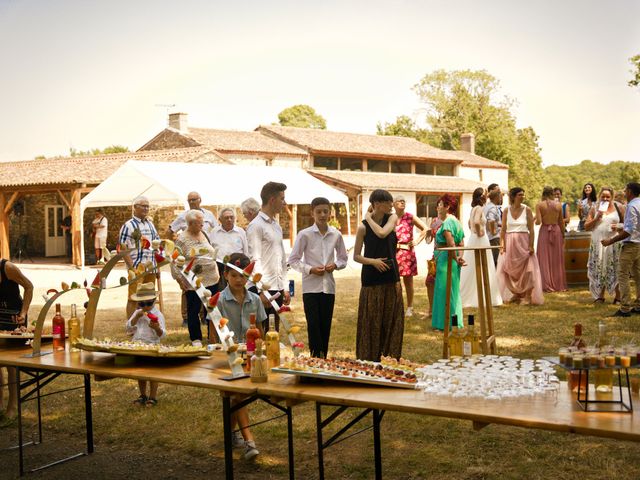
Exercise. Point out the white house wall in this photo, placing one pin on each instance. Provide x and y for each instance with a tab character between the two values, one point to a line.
489	175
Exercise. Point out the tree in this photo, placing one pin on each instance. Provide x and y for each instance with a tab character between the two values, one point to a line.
635	61
465	101
302	116
96	151
404	127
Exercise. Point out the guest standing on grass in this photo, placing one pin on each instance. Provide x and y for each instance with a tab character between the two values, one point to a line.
551	243
406	255
603	261
450	234
585	203
317	252
264	237
228	238
493	214
430	279
629	263
518	270
380	309
99	232
250	209
566	213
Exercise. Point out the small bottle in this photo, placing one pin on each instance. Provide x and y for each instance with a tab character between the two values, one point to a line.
455	341
74	329
273	343
259	364
469	337
252	335
57	327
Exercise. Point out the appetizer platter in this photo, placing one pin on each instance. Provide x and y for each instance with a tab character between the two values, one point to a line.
140	349
388	372
23	333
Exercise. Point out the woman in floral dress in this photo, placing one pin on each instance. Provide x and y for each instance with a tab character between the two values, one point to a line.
603	261
405	254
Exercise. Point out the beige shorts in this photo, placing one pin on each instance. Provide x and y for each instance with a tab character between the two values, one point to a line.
99	242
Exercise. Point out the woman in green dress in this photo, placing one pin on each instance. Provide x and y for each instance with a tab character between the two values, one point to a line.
450	234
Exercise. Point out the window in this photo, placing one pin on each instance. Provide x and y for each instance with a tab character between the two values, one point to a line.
352	164
445	169
325	163
426	205
480	174
400	167
378	166
424	168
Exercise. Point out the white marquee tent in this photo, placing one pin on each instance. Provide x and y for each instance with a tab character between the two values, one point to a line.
169	183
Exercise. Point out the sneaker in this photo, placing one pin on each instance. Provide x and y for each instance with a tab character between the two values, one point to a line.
250	450
408	312
196	343
620	313
236	440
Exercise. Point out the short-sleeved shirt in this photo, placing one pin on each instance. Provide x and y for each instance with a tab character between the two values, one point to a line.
632	221
238	315
147	230
142	332
180	223
492	213
101	222
228	242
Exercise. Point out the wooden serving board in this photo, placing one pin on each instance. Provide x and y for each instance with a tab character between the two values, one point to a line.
380	382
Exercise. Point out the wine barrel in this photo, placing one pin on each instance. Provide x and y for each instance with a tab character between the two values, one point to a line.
576	257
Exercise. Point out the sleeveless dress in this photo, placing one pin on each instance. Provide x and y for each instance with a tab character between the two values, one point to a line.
407	263
518	271
10	300
550	254
603	261
452	225
468	284
380	308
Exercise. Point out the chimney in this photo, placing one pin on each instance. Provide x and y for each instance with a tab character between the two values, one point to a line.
468	142
178	121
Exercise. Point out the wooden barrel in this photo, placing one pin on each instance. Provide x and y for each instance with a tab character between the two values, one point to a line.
576	256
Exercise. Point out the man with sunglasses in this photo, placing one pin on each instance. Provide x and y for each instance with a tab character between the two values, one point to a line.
133	231
180	223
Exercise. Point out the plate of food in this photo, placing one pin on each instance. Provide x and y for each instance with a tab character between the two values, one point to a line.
140	349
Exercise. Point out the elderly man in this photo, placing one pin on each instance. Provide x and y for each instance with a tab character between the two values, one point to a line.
250	209
131	235
228	238
493	214
264	237
180	223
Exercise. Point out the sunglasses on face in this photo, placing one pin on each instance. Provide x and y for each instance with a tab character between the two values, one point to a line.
147	303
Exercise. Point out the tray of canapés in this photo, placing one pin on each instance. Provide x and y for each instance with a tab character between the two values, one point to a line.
595	358
140	349
24	333
388	372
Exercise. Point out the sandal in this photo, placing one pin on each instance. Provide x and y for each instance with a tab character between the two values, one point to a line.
141	400
599	300
152	402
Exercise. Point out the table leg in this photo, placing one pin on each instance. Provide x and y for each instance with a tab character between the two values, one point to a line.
319	441
290	438
488	301
481	305
88	412
377	448
20	447
228	449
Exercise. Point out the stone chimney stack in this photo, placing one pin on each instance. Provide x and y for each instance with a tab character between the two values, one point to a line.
468	142
178	121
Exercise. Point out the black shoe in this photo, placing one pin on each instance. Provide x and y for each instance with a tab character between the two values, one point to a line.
620	313
635	311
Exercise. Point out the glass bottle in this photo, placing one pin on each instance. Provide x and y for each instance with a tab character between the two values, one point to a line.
252	335
578	345
259	364
273	343
471	341
57	327
74	329
455	340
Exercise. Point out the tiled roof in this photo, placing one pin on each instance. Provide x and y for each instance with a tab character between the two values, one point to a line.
90	169
398	181
339	143
228	141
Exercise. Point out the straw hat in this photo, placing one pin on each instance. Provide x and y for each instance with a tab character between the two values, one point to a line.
144	291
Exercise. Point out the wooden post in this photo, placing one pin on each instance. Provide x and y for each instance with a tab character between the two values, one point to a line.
5	250
491	339
76	228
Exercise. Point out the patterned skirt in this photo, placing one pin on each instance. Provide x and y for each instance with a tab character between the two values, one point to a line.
380	322
407	263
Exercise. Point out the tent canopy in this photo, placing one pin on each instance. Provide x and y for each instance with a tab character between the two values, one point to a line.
169	183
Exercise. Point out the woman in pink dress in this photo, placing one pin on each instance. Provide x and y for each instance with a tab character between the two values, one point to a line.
518	270
405	254
551	242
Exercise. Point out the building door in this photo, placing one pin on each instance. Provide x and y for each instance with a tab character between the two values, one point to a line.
54	241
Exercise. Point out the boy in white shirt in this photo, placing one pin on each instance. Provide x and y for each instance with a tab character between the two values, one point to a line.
146	325
317	252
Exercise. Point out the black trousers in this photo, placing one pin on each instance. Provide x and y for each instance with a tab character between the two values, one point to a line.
495	242
194	305
271	310
318	308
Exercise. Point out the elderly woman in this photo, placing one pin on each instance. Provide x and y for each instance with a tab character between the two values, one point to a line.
450	234
250	208
193	237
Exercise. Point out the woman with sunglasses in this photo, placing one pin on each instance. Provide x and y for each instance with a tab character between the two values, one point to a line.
147	325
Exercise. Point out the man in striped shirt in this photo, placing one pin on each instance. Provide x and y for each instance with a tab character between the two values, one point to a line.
131	235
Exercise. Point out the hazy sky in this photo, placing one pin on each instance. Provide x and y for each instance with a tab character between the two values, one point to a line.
91	73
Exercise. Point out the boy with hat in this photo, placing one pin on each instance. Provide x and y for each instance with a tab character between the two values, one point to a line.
146	325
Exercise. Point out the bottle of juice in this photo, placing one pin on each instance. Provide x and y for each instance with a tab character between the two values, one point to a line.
74	329
252	335
455	340
58	331
273	343
471	341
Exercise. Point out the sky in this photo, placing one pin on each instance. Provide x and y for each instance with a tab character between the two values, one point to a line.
88	74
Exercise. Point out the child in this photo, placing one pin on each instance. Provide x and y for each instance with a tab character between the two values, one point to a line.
236	303
146	325
317	252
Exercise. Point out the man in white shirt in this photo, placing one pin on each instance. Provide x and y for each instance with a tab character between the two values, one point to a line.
264	238
318	251
180	223
228	238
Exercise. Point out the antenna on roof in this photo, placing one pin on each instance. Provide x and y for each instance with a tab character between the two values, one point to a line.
166	106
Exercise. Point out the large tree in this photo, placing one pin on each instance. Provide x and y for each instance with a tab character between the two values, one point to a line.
635	62
302	116
465	101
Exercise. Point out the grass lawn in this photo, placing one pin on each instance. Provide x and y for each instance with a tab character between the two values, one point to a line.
182	436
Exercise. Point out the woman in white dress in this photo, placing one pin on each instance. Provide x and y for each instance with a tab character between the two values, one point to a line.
603	261
478	238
